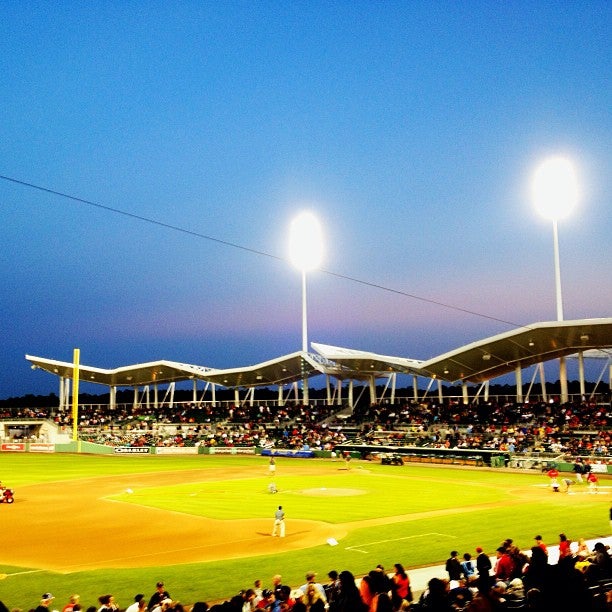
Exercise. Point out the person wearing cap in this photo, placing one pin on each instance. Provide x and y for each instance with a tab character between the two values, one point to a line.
139	604
284	599
453	566
504	567
279	523
593	482
539	542
45	602
159	595
311	579
332	588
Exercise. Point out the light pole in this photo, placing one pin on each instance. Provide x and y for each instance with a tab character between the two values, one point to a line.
555	193
306	253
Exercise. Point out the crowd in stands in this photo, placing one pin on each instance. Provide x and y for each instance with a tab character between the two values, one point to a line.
576	580
576	428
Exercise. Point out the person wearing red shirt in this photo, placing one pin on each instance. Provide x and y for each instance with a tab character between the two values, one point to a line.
504	567
564	546
593	482
540	543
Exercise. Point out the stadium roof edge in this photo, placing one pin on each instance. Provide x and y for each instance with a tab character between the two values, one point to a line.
478	361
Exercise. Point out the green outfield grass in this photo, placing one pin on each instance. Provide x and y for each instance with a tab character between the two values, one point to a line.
379	491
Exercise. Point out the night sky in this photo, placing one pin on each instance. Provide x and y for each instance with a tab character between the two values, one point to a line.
192	133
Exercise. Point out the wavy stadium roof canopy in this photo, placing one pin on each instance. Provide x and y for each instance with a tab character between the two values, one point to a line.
501	354
476	362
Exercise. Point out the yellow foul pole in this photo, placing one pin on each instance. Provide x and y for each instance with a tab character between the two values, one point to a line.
75	394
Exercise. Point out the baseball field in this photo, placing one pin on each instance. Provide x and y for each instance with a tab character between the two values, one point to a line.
117	524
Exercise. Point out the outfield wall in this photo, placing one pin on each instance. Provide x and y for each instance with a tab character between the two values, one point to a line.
489	458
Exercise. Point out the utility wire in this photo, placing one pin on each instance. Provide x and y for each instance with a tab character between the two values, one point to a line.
234	245
118	211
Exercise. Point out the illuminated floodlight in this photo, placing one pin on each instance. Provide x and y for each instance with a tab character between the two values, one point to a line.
305	242
555	194
555	188
306	253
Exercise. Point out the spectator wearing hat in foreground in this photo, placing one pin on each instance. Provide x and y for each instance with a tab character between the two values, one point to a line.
159	595
45	602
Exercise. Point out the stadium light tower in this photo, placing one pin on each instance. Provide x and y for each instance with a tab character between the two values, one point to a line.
555	194
306	254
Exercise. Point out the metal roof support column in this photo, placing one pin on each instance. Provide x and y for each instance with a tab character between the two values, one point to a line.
350	393
236	397
304	365
393	382
563	380
296	393
61	392
172	387
581	373
542	381
194	395
518	375
328	390
67	385
415	388
531	384
339	392
214	394
251	396
280	401
373	398
155	397
486	391
135	402
464	392
147	396
440	394
113	397
305	395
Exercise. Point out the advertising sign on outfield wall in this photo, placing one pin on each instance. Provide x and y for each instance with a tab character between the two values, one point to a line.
230	450
14	446
36	447
132	450
176	450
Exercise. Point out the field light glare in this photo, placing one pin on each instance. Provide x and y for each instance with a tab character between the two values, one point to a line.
555	188
305	242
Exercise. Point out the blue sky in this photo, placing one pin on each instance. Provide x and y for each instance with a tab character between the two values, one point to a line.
412	130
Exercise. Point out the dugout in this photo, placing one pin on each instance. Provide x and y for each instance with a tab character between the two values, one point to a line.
425	454
28	430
